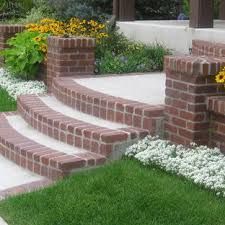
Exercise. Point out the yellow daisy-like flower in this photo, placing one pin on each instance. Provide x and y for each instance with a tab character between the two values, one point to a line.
220	78
38	39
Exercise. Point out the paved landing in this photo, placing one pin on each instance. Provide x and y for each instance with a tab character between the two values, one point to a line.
12	175
147	88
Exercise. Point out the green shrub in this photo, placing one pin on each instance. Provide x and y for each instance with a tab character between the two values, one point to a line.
25	54
102	9
142	59
10	9
117	54
83	9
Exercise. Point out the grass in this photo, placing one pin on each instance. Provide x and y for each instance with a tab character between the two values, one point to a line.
122	193
7	103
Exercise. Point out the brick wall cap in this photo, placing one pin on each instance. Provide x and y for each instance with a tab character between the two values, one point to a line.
11	28
71	42
194	65
202	47
210	43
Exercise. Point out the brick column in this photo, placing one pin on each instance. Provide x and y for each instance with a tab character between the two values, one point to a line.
70	57
6	32
189	81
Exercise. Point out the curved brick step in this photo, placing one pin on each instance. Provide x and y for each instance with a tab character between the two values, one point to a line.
39	158
102	140
107	107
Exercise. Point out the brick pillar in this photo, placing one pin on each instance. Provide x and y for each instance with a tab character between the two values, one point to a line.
189	81
70	57
6	32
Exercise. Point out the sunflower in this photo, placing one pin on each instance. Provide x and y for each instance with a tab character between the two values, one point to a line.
220	78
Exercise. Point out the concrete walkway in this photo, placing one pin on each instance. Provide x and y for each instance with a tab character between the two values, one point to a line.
146	88
12	175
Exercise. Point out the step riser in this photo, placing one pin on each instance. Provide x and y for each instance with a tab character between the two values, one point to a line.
73	132
109	108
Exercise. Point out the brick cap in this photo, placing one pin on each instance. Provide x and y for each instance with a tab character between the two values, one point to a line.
11	28
202	47
194	65
71	42
209	43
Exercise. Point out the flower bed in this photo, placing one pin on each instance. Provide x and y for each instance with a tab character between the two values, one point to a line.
200	164
16	87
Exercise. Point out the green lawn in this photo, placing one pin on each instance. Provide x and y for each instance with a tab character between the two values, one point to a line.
122	193
6	102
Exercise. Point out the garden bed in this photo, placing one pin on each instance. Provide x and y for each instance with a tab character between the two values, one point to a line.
15	86
11	87
202	165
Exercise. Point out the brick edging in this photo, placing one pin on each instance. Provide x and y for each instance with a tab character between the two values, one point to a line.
119	110
25	188
41	159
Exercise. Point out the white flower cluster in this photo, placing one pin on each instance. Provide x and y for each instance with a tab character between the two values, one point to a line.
16	87
202	165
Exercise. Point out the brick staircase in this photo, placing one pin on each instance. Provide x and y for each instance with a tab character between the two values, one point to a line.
73	128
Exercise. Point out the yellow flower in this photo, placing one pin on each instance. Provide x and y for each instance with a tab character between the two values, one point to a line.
38	39
220	78
75	27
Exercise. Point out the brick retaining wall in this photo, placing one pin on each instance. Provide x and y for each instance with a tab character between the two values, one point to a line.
6	32
189	81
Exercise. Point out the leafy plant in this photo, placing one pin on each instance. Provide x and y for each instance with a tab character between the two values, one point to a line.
136	58
117	54
186	7
26	51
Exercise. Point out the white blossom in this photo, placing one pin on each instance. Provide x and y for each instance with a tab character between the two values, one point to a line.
16	87
202	165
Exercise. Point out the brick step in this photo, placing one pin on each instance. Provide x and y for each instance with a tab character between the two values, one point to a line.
81	133
42	155
110	108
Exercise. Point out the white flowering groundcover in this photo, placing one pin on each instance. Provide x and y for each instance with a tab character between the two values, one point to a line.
202	165
16	87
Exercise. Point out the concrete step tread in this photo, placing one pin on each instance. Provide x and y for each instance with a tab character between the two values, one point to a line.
11	175
35	156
